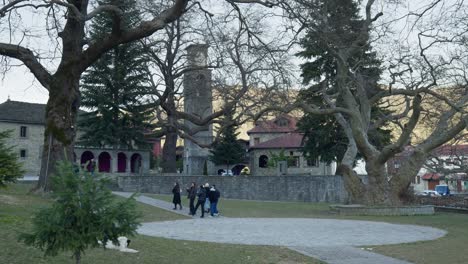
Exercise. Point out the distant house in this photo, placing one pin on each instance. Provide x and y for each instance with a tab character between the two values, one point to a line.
27	120
280	136
447	165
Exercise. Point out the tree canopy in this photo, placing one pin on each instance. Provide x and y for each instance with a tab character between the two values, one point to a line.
114	88
324	137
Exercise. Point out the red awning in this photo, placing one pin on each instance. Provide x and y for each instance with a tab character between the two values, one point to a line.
431	176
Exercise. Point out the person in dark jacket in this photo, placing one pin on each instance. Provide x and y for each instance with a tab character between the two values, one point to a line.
201	193
213	196
176	199
191	195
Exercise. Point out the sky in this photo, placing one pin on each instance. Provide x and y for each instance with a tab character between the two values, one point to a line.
19	84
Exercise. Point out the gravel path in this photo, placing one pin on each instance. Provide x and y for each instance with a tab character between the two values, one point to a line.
330	240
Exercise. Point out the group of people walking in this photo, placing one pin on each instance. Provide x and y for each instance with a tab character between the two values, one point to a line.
208	197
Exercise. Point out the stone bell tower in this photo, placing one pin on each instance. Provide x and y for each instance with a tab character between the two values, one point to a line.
198	100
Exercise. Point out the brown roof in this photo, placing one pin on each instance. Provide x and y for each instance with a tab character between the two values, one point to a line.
281	124
431	176
290	140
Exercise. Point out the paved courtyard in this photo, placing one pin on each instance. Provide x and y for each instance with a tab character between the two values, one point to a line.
290	231
330	240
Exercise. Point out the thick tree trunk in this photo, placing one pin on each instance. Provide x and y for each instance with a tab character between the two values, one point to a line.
353	184
379	190
77	257
169	152
409	169
60	127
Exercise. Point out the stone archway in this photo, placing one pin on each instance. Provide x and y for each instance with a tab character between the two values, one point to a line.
86	157
263	161
121	162
236	170
135	163
104	162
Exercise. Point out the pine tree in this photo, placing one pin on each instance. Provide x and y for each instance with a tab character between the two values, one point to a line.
10	168
84	212
324	137
113	88
227	150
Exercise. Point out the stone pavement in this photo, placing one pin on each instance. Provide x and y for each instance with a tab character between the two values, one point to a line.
331	240
156	203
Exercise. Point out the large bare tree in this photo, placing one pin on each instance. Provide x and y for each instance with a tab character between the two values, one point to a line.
413	76
243	66
67	21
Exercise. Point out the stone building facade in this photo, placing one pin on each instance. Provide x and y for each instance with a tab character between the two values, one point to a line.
279	137
26	123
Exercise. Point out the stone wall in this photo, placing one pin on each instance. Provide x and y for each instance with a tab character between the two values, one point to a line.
267	188
450	201
383	210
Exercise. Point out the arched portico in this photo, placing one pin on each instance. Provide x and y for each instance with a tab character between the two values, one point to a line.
236	170
104	162
109	160
86	157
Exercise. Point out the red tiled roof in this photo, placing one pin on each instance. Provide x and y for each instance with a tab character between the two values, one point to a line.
431	176
291	140
272	126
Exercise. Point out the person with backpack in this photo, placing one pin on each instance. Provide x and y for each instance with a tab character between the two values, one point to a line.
214	198
201	194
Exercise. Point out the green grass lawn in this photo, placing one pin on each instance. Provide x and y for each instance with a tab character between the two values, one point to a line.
448	250
17	208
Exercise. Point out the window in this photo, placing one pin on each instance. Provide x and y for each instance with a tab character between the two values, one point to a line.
293	161
256	141
23	153
282	122
312	162
263	161
23	131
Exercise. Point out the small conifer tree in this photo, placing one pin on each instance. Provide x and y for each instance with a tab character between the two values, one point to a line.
227	151
10	168
84	212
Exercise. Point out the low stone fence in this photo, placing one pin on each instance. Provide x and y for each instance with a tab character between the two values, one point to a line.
328	188
448	201
383	210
